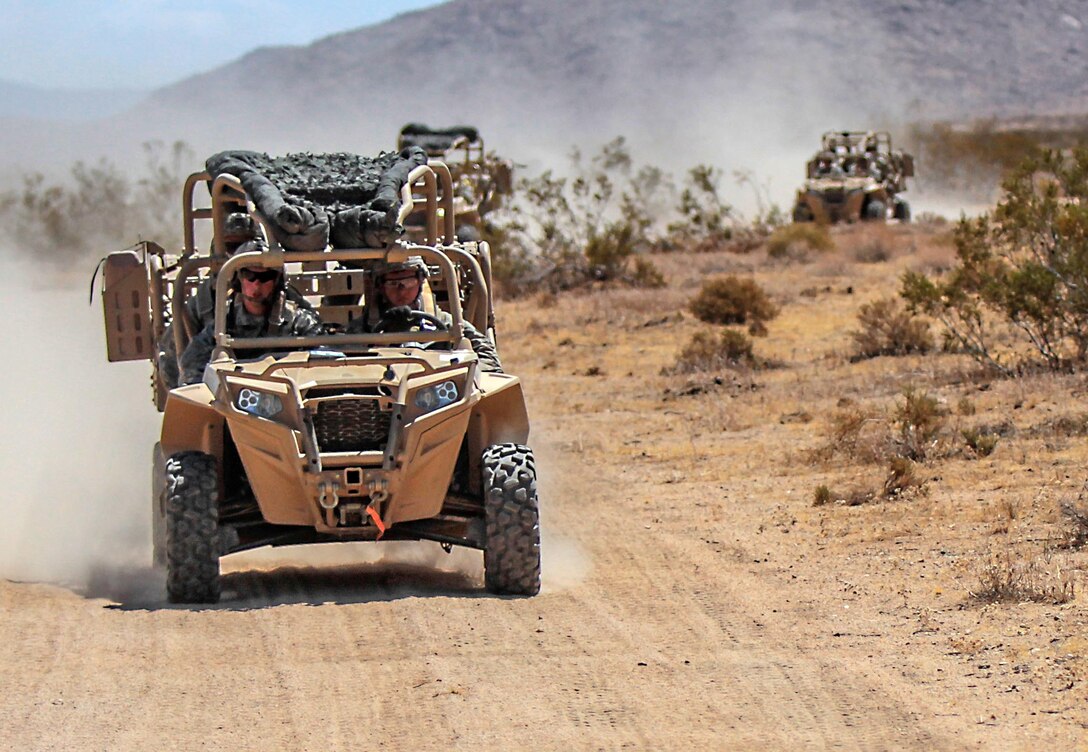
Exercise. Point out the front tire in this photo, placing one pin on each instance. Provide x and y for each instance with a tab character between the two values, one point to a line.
158	507
512	514
192	528
875	210
901	211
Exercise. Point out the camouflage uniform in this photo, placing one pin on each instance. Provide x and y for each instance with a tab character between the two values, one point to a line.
481	345
285	319
200	312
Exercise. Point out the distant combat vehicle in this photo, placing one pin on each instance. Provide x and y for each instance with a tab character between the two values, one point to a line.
856	175
480	179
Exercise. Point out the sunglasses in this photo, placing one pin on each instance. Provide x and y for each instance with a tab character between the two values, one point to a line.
402	284
261	275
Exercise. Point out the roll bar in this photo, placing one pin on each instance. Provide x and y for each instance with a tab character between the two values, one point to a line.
276	260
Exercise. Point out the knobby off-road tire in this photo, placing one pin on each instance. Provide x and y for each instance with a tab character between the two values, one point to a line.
192	528
901	211
512	514
875	210
158	507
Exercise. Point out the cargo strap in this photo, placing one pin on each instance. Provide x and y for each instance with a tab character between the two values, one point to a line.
377	521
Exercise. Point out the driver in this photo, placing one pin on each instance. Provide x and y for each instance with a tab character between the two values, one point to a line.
399	289
258	307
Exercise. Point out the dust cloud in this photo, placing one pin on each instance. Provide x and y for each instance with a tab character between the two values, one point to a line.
75	476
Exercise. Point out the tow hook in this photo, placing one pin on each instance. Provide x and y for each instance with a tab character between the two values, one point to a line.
328	494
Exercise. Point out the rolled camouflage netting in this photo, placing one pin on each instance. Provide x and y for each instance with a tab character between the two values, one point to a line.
314	200
434	140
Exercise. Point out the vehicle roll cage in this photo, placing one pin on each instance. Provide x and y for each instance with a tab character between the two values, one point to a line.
428	190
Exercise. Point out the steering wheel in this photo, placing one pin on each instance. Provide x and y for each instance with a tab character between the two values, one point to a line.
402	314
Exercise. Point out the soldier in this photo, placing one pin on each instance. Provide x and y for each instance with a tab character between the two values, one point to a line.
238	229
259	307
399	289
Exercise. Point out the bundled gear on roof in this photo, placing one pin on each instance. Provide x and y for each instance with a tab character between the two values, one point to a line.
312	201
436	141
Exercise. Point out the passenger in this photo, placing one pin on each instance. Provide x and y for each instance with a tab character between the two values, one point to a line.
238	229
265	311
399	287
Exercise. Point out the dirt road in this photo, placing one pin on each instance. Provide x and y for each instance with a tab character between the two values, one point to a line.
687	604
644	638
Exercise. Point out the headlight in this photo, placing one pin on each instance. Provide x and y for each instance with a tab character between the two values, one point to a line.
258	403
436	396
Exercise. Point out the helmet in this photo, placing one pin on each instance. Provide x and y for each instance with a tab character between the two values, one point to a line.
414	263
239	227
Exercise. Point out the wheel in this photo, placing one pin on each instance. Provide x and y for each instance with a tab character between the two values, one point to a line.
901	211
192	528
158	507
801	213
875	209
512	515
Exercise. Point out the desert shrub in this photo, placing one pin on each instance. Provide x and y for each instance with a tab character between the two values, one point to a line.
705	222
1042	579
853	497
902	477
707	352
1075	513
646	274
919	420
561	232
99	208
797	240
872	245
1025	264
853	432
888	329
821	496
733	300
979	441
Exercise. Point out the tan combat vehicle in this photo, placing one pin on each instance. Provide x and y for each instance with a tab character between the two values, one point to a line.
480	179
856	176
338	437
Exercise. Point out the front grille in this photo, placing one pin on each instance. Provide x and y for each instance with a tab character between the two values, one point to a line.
351	425
835	196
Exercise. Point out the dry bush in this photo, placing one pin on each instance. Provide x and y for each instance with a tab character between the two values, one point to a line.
796	241
99	208
646	274
732	300
888	329
1075	513
706	352
979	441
920	419
912	430
854	497
1065	425
1041	579
856	433
870	244
902	478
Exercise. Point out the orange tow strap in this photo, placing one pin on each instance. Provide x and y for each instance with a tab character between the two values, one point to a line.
377	521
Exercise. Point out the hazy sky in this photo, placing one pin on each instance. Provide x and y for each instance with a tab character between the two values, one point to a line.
148	43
